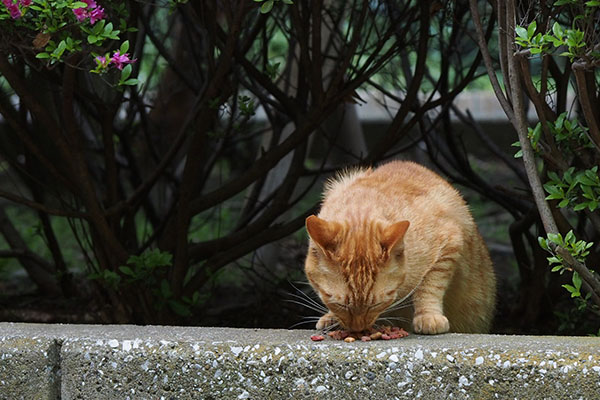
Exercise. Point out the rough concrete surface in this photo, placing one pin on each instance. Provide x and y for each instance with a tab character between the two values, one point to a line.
28	367
135	362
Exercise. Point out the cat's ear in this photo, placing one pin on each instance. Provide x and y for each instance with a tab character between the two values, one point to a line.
323	233
393	235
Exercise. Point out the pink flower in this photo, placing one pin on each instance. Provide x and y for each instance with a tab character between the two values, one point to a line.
80	14
96	15
91	11
119	60
25	3
15	13
102	61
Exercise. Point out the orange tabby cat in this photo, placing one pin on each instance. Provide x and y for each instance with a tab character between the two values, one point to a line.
396	231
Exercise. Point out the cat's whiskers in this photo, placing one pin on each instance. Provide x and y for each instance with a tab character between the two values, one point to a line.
331	327
399	303
389	319
398	306
306	300
306	320
377	323
314	300
309	306
310	302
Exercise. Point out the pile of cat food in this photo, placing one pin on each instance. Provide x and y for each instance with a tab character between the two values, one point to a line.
383	333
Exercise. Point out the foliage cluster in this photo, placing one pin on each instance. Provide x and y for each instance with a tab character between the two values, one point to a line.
561	39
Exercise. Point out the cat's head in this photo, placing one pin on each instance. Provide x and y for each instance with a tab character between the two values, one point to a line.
356	269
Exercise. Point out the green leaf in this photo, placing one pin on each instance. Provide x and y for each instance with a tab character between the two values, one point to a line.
552	189
553	175
570	289
158	258
92	39
563	203
130	82
126	72
127	271
266	6
519	154
580	207
585	180
78	4
555	238
592	205
98	27
588	193
557	30
180	308
543	243
577	281
569	237
42	55
108	29
135	260
110	278
165	289
521	32
124	47
531	29
592	174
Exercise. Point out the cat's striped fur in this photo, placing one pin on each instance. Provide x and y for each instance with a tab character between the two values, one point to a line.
399	231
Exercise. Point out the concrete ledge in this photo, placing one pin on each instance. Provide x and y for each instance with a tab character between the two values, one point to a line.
133	362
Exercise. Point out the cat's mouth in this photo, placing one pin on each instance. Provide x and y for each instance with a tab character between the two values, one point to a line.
358	323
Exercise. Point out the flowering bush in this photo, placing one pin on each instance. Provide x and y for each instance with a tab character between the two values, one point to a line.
120	60
91	10
59	29
16	9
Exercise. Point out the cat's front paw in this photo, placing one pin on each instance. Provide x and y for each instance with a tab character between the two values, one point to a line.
431	324
326	320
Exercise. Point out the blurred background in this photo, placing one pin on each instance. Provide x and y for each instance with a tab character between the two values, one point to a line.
158	159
